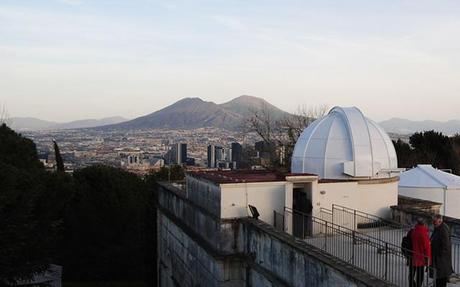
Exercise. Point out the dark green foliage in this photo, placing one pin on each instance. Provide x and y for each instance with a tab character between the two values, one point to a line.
406	156
174	173
99	224
16	150
25	234
435	148
59	161
429	147
105	230
31	204
456	146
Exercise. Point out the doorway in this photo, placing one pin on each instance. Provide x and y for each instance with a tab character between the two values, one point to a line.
301	211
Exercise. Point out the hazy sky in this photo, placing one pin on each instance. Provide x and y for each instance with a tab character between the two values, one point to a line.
72	59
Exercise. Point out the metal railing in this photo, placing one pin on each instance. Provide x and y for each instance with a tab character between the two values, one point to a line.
381	259
326	214
278	221
381	228
384	229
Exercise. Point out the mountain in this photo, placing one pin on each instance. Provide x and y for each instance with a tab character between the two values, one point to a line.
192	113
89	123
246	105
185	114
29	124
404	126
34	124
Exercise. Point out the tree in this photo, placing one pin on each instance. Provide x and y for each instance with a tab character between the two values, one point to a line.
104	237
405	154
435	148
456	145
280	135
59	161
172	173
17	151
4	116
99	224
297	122
29	210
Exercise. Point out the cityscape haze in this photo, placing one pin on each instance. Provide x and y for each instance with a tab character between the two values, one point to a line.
140	56
154	143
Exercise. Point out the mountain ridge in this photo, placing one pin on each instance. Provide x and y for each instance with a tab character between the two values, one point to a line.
405	126
189	113
35	124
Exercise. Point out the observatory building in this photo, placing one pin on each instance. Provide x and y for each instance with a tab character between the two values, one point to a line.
207	238
354	159
345	145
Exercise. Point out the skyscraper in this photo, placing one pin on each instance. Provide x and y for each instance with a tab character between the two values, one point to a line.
237	154
211	156
177	154
181	153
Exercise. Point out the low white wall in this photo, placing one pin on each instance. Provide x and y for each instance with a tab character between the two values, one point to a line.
436	195
374	198
452	202
265	196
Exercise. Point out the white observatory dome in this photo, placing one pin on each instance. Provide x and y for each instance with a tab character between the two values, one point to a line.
344	144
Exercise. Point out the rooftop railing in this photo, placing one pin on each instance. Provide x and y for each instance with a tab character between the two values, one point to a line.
381	259
384	229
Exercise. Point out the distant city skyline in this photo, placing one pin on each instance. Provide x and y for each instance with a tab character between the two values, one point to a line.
65	60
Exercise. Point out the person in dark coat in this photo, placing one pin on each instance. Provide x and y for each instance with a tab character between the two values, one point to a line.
441	249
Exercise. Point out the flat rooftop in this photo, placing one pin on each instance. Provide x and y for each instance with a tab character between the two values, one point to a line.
242	176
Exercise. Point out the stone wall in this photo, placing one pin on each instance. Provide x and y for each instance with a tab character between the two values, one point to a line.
217	233
198	249
204	193
408	216
279	260
185	263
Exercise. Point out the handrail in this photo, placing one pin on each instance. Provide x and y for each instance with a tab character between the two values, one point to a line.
345	228
368	215
395	223
326	210
394	236
356	248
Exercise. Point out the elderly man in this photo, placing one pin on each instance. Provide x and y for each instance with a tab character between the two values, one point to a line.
441	249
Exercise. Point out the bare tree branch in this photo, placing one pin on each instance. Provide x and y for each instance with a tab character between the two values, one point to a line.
4	116
280	135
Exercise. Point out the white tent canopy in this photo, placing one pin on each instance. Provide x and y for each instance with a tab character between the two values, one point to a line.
424	175
429	183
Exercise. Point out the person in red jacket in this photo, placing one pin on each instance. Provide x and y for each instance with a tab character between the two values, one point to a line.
421	253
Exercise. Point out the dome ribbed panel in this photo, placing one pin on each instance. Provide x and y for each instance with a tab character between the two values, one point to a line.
344	136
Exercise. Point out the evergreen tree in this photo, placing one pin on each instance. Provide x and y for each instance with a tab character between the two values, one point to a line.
405	154
17	151
435	148
29	210
59	161
104	235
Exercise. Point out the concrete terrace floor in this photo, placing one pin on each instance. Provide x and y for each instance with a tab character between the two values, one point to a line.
368	255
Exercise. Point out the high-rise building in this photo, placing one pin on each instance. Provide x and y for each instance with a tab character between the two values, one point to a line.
177	154
211	156
237	154
184	153
220	157
219	152
181	153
